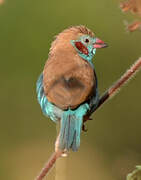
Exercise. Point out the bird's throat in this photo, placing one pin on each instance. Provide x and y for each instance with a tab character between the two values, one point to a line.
87	58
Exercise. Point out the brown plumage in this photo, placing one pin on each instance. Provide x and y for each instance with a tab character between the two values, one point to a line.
68	79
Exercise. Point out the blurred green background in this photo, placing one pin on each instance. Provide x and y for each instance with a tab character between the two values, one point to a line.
112	146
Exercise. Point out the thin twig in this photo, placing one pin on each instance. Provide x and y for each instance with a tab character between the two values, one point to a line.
49	165
61	163
110	92
119	83
61	168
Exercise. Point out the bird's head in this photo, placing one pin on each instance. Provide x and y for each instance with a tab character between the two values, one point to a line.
86	46
79	40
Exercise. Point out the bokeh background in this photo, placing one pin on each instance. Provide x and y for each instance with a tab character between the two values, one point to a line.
112	146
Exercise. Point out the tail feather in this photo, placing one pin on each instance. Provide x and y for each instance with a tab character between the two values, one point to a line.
71	130
71	126
78	124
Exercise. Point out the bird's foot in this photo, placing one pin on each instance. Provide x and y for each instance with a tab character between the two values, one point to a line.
84	128
87	118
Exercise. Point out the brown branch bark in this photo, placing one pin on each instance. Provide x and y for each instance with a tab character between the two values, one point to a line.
49	165
119	83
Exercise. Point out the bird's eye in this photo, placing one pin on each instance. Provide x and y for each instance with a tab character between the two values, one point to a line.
87	40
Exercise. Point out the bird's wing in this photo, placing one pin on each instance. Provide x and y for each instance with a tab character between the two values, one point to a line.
40	94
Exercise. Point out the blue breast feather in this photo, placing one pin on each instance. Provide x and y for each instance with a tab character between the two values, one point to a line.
71	120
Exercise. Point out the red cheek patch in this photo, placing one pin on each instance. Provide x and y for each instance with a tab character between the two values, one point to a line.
81	48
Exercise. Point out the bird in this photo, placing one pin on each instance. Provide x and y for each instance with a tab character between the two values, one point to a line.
67	88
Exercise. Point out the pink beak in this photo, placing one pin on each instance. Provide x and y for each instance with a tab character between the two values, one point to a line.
100	44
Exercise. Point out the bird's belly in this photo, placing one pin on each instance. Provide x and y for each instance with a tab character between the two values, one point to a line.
69	87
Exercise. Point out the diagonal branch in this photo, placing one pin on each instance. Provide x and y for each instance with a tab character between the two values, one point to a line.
49	165
109	93
119	83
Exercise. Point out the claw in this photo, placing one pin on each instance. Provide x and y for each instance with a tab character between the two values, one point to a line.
84	128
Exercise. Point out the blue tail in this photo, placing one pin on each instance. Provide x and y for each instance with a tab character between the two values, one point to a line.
71	125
